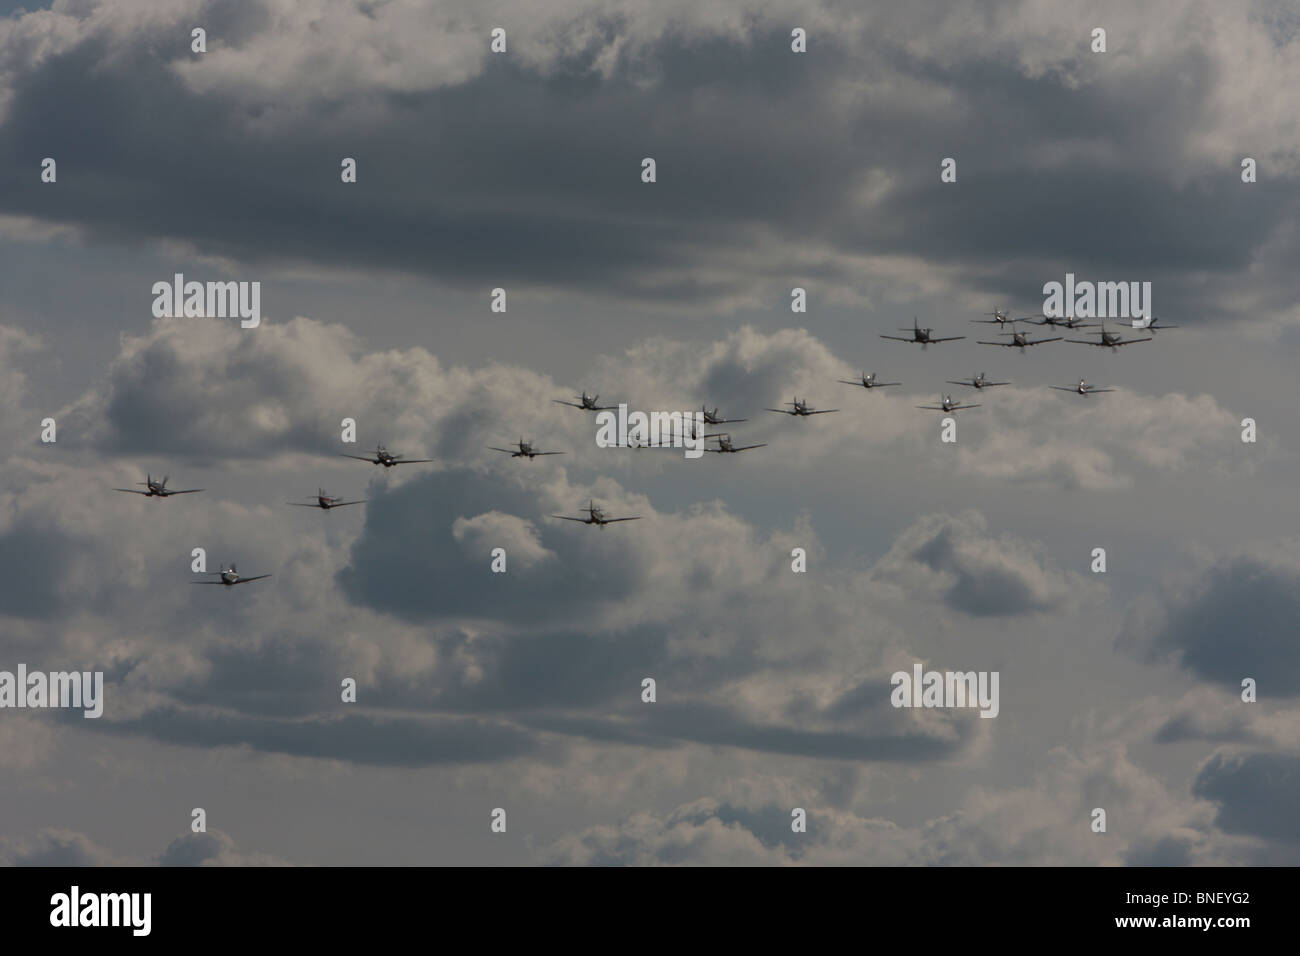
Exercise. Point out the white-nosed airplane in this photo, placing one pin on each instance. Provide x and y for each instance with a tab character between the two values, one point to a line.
1109	340
868	381
1019	340
1152	325
596	516
1083	388
325	501
946	404
157	489
801	408
1000	317
382	456
230	577
979	381
711	418
1059	322
586	402
921	335
726	447
525	450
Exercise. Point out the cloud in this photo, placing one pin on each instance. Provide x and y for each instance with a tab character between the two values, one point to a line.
748	176
1256	794
55	847
1234	619
952	559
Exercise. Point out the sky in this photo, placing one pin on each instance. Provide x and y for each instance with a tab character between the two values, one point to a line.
521	691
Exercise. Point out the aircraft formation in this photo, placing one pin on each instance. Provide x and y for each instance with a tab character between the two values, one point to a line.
724	444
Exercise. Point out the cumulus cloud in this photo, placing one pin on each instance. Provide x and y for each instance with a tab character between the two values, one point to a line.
952	559
1235	618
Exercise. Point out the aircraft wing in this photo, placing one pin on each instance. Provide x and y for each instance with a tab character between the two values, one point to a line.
748	447
1009	345
821	411
411	461
883	384
932	408
612	520
783	411
899	338
206	582
987	384
1041	341
548	453
563	402
359	458
1085	342
604	408
506	450
950	338
299	504
184	491
344	504
968	382
1091	390
1065	388
730	421
133	491
959	407
255	578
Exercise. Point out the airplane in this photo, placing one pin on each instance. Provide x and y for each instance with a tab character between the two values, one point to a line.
1151	325
382	456
1109	340
979	381
596	516
586	402
801	409
725	446
230	577
921	335
711	418
1019	340
946	404
1060	322
1000	317
157	489
324	501
694	436
868	381
1083	388
525	451
638	443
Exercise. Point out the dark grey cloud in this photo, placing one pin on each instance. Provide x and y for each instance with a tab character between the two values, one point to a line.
34	558
408	562
531	177
1164	851
1257	794
358	738
1239	618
